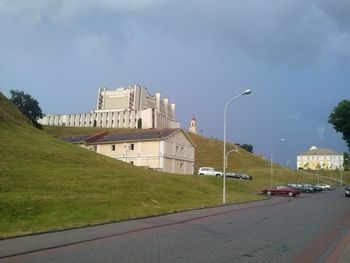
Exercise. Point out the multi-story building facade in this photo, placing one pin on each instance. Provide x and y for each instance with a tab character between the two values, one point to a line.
131	107
166	150
316	159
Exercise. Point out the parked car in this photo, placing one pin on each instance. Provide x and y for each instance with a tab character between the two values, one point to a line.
245	176
303	188
325	187
317	188
306	188
295	185
347	191
239	176
209	171
281	190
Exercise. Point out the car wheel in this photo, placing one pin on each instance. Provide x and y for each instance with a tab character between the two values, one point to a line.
290	194
201	174
269	193
308	191
218	175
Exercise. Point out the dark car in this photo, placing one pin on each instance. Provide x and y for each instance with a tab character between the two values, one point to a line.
317	188
281	190
239	176
347	191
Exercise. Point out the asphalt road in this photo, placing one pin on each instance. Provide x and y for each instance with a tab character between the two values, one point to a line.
309	228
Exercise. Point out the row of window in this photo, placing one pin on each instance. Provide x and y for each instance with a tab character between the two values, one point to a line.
130	147
101	122
328	157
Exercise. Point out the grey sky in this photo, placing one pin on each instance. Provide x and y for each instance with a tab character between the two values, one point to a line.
294	55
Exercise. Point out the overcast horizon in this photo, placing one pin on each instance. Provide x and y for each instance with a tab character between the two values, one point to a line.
293	55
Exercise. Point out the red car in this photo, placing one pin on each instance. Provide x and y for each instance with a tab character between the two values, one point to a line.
281	190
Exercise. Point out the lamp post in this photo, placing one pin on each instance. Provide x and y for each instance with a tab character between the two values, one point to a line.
341	172
247	92
235	150
282	140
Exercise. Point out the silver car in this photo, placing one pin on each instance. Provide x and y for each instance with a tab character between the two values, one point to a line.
209	171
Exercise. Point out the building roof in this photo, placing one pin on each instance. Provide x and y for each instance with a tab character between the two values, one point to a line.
105	137
76	139
320	151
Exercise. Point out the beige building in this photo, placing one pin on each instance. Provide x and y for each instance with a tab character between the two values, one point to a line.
316	159
167	150
131	107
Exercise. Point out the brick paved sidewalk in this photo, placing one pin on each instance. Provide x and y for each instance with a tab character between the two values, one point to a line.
37	242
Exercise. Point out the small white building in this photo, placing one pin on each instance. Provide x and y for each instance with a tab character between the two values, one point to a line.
131	107
317	159
166	150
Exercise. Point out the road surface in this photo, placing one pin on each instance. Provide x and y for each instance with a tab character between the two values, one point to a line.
309	228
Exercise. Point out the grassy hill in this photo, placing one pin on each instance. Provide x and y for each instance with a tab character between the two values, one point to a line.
209	152
47	184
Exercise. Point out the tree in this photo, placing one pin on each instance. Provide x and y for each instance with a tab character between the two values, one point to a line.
27	105
340	118
247	147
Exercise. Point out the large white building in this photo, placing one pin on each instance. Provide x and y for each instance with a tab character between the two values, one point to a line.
316	159
131	107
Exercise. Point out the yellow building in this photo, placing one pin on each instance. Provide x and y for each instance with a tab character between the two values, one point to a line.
167	150
316	159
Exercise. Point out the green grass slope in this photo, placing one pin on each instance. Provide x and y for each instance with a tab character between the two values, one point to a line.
209	152
48	184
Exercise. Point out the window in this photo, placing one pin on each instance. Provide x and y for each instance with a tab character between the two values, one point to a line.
113	147
182	149
131	146
132	162
181	165
177	148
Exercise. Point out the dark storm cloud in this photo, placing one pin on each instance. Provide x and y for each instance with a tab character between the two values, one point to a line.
287	32
294	54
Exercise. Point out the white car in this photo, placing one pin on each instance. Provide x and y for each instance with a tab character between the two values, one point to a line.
325	187
209	171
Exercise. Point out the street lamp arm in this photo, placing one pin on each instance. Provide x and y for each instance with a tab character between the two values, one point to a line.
230	100
228	154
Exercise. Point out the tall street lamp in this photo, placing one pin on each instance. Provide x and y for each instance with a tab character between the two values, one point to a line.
247	92
282	140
